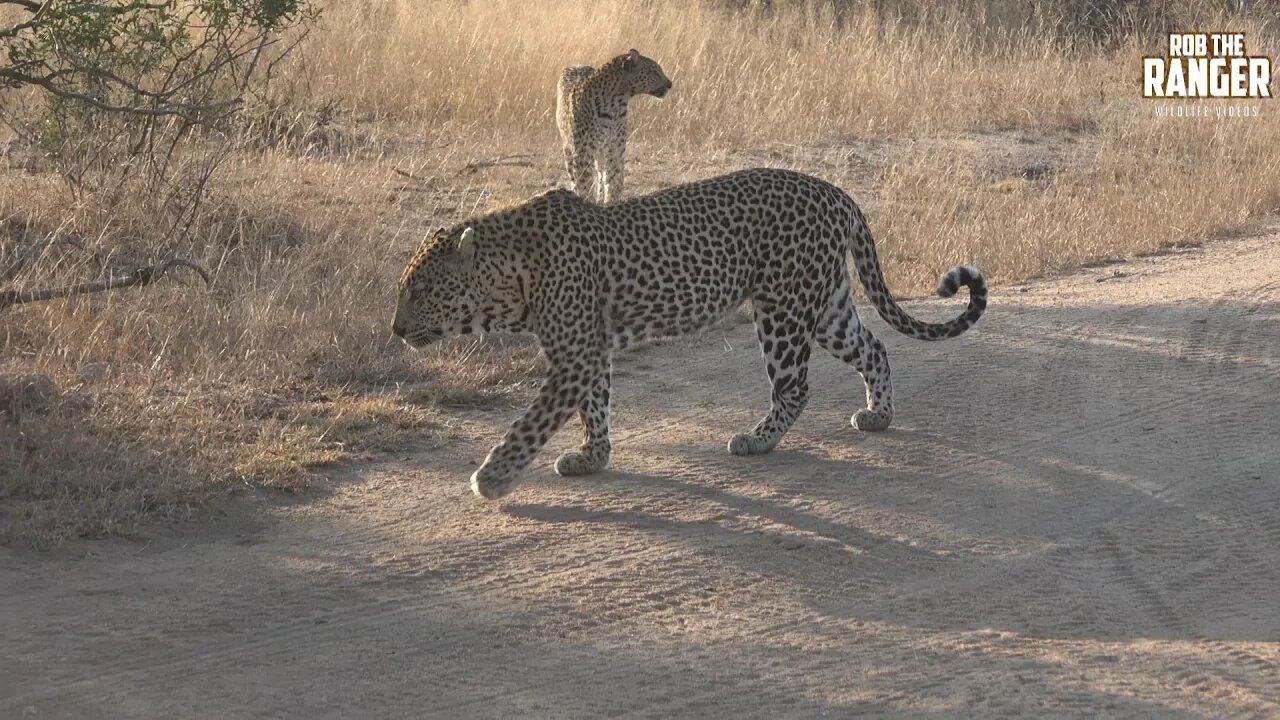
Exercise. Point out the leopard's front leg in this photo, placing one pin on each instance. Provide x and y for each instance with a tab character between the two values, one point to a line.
561	396
582	171
611	164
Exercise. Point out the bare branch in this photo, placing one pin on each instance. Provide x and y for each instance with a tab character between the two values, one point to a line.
36	20
507	160
139	277
13	31
31	5
191	113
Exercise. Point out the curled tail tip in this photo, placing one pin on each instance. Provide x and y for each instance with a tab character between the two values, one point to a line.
961	276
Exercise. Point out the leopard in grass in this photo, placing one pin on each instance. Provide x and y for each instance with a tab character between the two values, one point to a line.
590	280
591	112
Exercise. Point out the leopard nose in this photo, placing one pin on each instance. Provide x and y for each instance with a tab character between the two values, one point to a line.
397	329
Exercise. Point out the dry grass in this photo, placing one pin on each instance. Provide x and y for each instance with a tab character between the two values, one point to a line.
1144	186
489	69
99	459
966	137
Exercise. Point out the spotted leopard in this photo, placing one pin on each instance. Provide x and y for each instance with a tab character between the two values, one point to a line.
591	112
589	280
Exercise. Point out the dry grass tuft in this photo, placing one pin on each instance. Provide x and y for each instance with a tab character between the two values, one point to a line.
99	460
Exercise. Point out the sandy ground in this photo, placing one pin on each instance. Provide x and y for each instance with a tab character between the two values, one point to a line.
1077	513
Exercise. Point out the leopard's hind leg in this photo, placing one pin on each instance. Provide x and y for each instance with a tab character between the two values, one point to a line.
593	455
785	343
842	334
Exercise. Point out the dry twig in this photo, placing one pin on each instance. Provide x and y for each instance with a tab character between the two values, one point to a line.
507	160
139	277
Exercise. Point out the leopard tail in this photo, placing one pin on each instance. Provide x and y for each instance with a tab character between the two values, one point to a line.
867	262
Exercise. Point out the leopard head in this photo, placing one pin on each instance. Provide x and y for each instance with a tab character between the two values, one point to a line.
642	75
441	290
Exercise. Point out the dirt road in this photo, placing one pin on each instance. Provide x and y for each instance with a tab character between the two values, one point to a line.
1077	513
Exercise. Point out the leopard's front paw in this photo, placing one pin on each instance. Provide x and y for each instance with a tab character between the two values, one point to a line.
576	463
491	485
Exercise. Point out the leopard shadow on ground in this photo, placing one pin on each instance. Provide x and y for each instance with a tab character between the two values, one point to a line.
1125	499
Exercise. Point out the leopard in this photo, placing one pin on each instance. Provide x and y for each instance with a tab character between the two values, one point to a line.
589	280
591	113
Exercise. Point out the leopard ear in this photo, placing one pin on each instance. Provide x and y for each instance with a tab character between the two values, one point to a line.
467	246
629	60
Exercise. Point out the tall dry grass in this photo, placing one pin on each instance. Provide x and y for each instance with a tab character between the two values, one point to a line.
286	365
1145	185
489	68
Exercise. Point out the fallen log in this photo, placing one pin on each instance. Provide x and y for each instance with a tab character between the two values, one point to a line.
139	277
